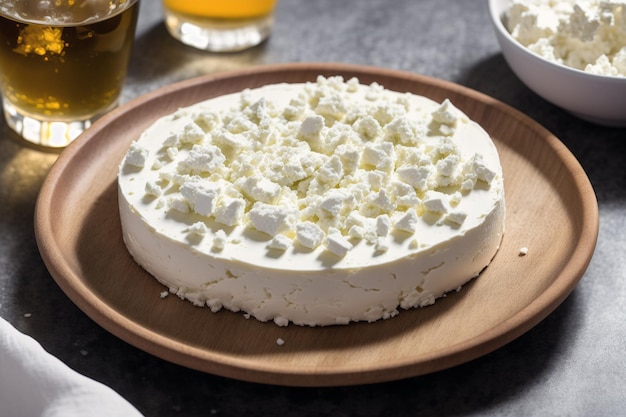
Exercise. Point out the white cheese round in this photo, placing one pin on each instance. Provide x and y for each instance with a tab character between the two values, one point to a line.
318	203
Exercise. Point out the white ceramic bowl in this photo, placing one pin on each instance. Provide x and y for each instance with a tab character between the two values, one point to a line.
595	98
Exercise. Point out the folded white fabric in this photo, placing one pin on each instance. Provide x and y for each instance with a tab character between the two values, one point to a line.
35	383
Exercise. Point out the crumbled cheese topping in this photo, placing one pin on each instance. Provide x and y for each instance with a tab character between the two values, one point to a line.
589	35
318	171
136	155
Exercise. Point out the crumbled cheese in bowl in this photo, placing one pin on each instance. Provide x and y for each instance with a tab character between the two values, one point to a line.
589	35
317	203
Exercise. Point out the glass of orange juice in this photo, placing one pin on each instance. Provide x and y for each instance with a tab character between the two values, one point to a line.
219	25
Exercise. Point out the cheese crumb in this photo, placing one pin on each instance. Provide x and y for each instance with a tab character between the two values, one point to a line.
281	321
219	240
407	221
198	228
280	242
309	234
136	155
270	219
338	244
436	202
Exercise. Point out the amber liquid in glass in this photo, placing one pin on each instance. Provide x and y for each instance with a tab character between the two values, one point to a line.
60	71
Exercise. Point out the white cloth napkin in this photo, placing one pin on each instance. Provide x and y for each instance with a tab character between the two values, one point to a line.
34	383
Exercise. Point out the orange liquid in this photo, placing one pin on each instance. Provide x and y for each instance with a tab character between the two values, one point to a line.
221	9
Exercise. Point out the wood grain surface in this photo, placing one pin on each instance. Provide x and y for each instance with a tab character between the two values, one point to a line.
551	210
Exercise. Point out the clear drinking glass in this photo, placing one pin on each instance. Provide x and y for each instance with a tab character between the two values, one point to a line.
220	25
62	64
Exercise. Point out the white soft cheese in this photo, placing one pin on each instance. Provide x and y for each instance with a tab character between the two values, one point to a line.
318	203
588	35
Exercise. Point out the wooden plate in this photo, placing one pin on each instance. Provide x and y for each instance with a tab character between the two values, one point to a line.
551	210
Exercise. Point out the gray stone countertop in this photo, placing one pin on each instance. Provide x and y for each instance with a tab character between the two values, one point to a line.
572	363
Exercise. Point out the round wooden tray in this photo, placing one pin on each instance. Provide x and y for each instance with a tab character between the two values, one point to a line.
551	210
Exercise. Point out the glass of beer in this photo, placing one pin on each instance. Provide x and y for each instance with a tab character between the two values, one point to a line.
219	25
62	64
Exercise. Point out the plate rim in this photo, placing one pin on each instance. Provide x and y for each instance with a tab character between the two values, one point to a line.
220	364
